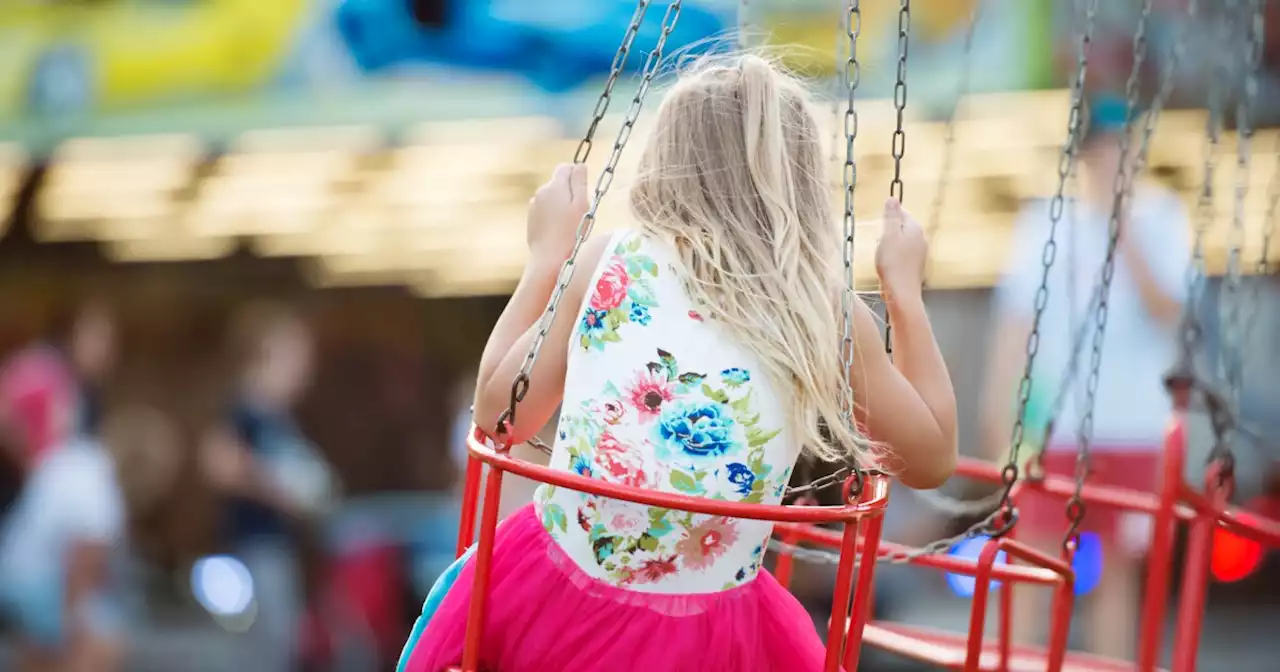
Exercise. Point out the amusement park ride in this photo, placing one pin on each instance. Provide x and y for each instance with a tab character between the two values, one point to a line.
865	491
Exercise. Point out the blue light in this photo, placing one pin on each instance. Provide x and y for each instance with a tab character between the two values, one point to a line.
1088	563
970	549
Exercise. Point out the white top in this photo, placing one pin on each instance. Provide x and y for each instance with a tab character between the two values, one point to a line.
1132	405
71	496
658	397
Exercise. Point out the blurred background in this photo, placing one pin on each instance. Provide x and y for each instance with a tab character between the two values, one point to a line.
284	227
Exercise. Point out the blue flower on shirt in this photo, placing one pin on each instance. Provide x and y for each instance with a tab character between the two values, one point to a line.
640	314
735	376
696	429
742	477
580	465
593	321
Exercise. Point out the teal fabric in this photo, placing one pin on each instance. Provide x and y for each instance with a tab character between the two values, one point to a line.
431	604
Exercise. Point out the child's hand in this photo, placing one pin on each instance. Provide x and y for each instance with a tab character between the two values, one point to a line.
901	255
554	214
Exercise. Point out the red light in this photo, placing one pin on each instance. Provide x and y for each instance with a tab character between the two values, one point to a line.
1234	557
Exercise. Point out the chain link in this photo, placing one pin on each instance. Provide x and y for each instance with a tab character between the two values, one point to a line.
615	70
1230	303
1122	191
898	144
520	386
1066	166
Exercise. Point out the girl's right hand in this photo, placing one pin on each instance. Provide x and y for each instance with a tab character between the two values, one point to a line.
555	212
901	255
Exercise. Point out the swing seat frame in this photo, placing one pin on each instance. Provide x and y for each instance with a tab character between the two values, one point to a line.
861	519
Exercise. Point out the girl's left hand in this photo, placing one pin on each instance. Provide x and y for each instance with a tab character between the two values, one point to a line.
554	214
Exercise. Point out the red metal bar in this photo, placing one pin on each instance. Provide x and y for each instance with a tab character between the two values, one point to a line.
1195	575
946	563
786	563
483	561
1160	556
840	598
1063	600
470	496
1004	638
1062	487
877	485
978	610
863	593
1255	527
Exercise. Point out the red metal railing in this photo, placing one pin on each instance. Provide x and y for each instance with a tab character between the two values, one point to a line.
843	636
1175	502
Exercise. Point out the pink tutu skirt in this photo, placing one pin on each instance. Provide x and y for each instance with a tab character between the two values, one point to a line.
544	614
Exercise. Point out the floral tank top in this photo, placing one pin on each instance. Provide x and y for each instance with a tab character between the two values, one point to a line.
658	397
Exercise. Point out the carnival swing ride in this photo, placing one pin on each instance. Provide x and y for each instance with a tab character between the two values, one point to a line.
856	548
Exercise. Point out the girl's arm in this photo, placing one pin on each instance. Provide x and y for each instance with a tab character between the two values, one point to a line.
513	334
554	215
907	403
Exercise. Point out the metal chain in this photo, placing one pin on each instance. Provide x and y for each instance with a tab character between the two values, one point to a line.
898	144
1122	190
615	70
1232	354
520	386
1066	166
1183	375
851	18
949	131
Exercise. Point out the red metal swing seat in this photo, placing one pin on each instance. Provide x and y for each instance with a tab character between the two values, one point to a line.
863	509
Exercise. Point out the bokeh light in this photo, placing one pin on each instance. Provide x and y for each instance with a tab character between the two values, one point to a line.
222	585
1234	558
1088	564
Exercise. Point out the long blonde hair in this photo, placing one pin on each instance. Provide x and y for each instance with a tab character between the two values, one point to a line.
734	178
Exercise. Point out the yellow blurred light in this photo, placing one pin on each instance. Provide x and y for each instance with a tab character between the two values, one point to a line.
169	249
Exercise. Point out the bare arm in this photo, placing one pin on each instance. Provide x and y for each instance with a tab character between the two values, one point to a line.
908	403
512	336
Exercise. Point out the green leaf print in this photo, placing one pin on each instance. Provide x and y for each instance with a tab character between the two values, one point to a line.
553	518
611	337
648	543
640	293
715	395
758	437
650	267
691	378
743	404
668	364
684	482
603	548
659	526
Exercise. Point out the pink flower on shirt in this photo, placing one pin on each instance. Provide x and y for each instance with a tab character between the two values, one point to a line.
611	288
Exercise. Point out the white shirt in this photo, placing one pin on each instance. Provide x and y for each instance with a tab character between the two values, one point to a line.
71	496
1132	406
658	396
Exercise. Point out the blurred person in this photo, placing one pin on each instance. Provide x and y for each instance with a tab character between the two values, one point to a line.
49	391
272	477
699	355
1132	406
69	522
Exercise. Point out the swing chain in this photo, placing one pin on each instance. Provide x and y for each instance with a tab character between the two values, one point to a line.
615	70
1183	377
1232	355
1122	193
520	386
1066	165
899	142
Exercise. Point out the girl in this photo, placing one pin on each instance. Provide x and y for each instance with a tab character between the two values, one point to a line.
700	356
